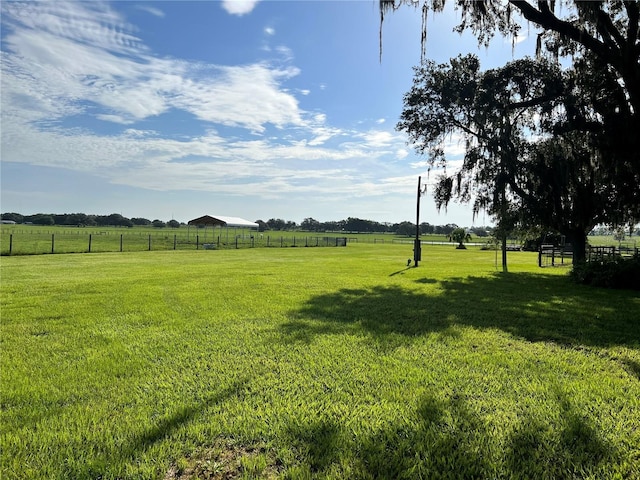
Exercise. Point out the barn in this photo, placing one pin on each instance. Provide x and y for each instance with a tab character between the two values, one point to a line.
240	226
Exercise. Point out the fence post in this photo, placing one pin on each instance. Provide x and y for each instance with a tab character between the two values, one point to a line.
89	243
175	239
120	243
197	242
11	243
52	241
236	242
149	242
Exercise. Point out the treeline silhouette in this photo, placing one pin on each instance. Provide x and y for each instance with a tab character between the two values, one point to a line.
350	224
84	220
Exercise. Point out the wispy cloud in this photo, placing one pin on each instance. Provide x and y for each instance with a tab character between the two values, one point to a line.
156	12
65	61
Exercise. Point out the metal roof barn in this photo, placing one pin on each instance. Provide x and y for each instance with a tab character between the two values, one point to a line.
221	221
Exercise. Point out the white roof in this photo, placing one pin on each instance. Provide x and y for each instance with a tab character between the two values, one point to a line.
236	221
223	220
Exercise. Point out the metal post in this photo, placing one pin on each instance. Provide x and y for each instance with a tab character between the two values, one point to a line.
417	250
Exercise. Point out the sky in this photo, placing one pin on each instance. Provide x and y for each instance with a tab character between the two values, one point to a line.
254	109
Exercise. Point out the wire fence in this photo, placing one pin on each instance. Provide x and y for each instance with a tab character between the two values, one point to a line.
43	242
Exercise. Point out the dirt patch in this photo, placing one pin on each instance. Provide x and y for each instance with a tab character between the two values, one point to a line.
227	460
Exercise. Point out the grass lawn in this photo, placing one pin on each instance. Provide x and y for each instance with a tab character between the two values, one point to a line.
314	363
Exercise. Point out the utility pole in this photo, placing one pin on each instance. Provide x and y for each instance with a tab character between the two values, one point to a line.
417	249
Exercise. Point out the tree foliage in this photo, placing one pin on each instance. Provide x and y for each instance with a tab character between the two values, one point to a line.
460	235
556	147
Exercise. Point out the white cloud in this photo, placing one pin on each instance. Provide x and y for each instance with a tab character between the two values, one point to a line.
285	52
70	72
152	10
239	7
67	60
269	31
247	96
378	138
89	23
401	153
114	119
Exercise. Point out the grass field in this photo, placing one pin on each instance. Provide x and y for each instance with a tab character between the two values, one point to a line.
38	240
314	363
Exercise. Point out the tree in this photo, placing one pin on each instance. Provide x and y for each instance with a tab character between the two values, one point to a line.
262	225
15	217
41	219
276	224
406	229
601	98
173	223
460	235
426	228
608	30
529	159
140	221
310	225
158	223
494	112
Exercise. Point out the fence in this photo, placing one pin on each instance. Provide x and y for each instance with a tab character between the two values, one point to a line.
34	243
551	254
609	252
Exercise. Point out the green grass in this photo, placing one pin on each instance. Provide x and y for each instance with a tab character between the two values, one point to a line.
314	363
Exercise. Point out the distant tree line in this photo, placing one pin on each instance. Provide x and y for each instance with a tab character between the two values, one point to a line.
360	225
351	224
84	220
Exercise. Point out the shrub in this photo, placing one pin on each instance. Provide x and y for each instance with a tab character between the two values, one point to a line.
609	273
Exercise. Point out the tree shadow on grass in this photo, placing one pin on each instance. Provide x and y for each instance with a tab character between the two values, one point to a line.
535	307
447	438
633	367
318	443
567	451
167	426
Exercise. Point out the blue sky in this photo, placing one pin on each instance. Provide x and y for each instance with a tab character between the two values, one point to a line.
256	109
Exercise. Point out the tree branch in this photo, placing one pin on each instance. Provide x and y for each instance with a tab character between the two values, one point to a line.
545	18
